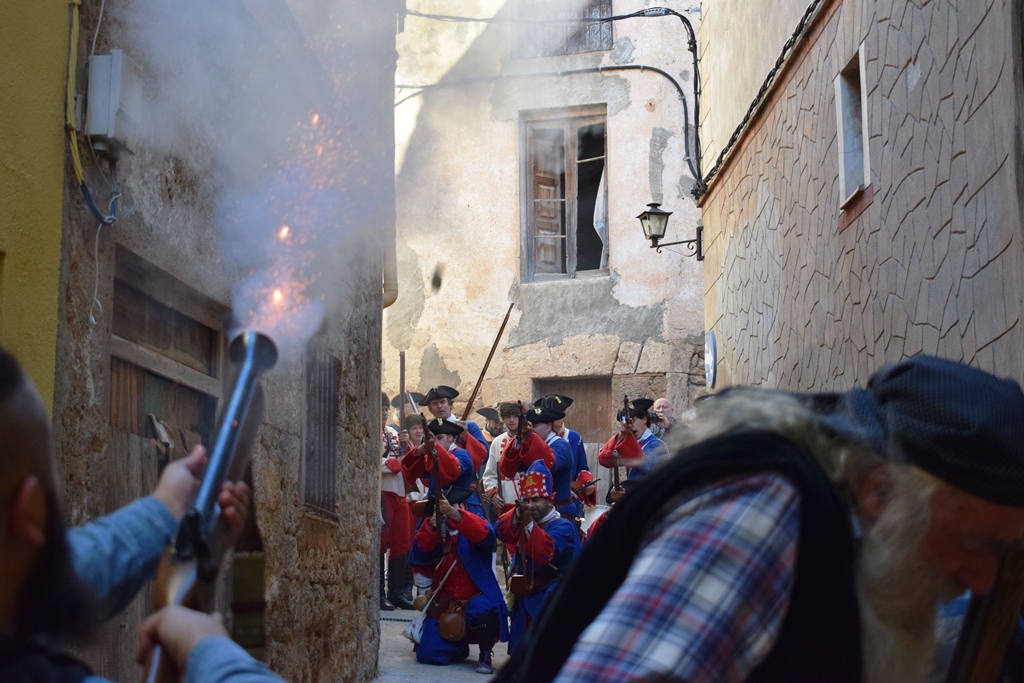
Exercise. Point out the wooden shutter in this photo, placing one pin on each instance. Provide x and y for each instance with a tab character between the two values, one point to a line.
547	165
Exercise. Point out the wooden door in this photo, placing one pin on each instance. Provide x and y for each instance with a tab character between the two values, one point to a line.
591	413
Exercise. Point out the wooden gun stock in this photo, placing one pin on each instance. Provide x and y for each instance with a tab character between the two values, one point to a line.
989	624
185	581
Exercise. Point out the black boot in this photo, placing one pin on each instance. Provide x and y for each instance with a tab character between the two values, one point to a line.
396	583
485	665
385	606
408	592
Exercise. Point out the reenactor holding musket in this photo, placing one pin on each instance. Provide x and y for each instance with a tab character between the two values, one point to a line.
545	545
466	605
634	447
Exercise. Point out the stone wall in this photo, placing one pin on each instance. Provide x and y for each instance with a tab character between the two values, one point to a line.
320	586
460	187
933	263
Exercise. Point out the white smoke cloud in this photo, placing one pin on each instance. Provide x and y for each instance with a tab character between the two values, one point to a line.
243	81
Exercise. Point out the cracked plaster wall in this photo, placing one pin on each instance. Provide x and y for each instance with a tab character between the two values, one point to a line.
459	206
934	262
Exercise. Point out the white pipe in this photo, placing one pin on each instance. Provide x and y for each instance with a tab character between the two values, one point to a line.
390	264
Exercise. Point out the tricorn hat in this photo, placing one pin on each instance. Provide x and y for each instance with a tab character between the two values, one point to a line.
638	407
438	392
412	397
543	414
558	402
455	495
438	426
488	414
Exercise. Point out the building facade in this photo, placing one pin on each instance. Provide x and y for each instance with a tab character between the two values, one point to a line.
125	327
870	207
520	183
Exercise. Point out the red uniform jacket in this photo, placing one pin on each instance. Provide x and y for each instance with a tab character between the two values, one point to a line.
630	452
459	585
517	459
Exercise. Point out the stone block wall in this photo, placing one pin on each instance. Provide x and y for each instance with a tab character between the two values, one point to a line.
933	263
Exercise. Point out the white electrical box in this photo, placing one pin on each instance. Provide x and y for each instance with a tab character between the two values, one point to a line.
114	109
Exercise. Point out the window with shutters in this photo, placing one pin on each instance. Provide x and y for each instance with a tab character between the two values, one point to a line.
320	464
565	212
546	33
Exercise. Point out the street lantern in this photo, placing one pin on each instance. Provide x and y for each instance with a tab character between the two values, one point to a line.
654	221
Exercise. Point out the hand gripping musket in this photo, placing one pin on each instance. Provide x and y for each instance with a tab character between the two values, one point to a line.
989	623
436	490
625	421
188	571
521	583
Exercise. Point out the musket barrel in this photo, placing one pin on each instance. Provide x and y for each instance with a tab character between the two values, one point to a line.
255	354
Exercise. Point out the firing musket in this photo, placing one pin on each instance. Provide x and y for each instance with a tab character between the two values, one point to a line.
188	571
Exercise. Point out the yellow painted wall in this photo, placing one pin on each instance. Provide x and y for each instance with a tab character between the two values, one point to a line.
33	51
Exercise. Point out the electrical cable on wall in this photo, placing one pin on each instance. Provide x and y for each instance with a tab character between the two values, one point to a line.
420	89
694	161
95	307
76	159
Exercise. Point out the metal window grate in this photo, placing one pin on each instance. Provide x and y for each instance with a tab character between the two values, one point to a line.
561	37
319	474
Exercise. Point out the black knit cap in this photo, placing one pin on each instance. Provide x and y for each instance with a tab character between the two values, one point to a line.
958	423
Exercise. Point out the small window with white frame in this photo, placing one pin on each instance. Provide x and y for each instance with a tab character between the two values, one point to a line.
852	130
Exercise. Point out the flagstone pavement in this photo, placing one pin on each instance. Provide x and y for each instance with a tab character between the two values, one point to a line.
397	662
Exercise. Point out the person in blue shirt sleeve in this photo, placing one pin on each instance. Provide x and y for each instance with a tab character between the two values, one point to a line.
56	585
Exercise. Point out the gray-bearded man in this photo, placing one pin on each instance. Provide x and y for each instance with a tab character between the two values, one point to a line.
798	537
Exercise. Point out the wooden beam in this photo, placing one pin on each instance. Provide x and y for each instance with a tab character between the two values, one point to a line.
164	366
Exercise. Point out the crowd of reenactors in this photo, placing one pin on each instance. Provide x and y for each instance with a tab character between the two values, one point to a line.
829	536
459	502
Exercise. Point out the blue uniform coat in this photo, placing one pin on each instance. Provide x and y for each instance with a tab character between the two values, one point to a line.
566	536
476	558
